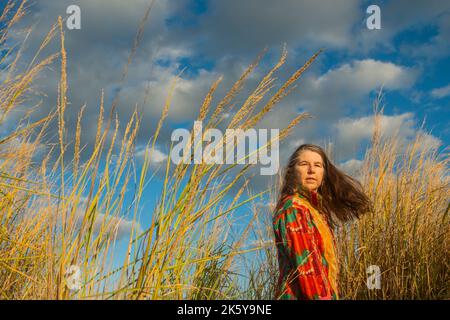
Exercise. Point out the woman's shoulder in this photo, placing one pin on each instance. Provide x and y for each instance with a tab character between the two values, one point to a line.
294	200
289	203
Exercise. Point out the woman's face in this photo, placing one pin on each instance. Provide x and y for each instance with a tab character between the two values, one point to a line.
310	169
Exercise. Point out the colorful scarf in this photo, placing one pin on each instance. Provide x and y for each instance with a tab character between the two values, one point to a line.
314	205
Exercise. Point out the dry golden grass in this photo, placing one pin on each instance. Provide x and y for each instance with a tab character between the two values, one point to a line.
407	235
61	214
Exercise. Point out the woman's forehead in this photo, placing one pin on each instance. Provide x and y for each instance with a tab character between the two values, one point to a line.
308	155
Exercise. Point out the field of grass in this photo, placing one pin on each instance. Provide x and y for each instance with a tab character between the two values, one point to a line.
57	211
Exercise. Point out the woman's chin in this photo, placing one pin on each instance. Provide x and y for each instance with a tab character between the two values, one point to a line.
310	186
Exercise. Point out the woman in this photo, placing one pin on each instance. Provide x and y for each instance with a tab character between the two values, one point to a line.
313	190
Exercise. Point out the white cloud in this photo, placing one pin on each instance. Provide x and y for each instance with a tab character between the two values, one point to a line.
327	97
368	74
362	128
352	167
441	92
156	157
352	134
353	131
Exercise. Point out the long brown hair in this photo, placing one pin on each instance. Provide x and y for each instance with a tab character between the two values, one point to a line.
342	195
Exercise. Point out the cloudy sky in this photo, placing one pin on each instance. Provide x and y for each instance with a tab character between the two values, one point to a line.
409	57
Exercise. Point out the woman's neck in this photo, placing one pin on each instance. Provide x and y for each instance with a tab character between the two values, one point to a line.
313	196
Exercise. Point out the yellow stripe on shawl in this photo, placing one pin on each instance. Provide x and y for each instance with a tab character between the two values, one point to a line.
330	249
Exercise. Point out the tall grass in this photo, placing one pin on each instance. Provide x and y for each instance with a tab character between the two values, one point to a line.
408	234
58	212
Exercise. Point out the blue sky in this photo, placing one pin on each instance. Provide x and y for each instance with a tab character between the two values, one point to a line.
409	57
